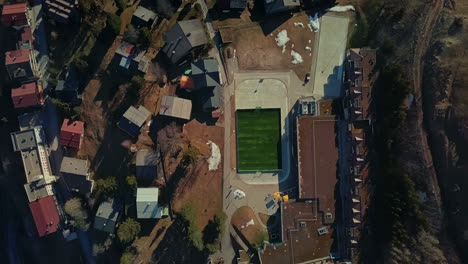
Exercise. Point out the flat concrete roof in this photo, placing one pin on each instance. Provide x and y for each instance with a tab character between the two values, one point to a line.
30	143
328	78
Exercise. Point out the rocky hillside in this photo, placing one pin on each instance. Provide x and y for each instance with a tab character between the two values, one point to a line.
446	117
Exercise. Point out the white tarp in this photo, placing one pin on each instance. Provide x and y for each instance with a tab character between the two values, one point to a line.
345	8
215	158
238	194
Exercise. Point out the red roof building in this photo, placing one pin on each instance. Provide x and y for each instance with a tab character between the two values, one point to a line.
14	15
45	214
26	40
28	95
71	133
16	56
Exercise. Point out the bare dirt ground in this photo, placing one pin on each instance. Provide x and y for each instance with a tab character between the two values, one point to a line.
93	114
241	217
257	50
146	245
200	187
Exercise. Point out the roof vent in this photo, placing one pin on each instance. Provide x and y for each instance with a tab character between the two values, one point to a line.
322	231
303	224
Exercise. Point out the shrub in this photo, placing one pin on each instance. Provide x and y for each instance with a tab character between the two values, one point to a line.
191	154
106	186
360	34
144	37
114	22
74	208
128	231
132	181
388	47
127	258
194	235
122	4
214	231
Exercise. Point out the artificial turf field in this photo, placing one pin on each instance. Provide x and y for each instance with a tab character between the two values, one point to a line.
258	139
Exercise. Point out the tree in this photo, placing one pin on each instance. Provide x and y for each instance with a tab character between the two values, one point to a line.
132	181
122	4
80	63
106	186
74	208
194	235
213	231
114	22
191	154
144	37
128	231
127	258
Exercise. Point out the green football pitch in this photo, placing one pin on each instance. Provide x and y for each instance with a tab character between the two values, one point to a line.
258	139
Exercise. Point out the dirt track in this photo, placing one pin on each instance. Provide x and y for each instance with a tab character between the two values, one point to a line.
418	66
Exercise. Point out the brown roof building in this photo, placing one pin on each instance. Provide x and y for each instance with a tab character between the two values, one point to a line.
307	231
306	238
359	79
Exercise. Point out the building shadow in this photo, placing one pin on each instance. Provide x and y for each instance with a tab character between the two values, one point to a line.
270	24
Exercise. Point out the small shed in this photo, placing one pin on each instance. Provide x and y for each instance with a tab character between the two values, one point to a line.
176	107
144	17
147	204
146	165
133	119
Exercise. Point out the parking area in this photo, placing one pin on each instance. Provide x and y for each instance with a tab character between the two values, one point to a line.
328	77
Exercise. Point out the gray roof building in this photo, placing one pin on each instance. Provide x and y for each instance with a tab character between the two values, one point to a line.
144	17
183	37
107	216
176	107
205	73
133	119
147	204
146	164
38	189
31	143
76	175
206	77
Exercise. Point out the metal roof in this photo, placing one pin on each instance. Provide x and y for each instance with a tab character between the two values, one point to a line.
205	73
182	37
176	107
146	157
147	203
145	14
138	115
45	215
107	215
74	166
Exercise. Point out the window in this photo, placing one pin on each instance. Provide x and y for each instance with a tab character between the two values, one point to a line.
328	216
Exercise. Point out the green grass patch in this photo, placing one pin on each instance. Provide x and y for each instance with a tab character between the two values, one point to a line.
258	139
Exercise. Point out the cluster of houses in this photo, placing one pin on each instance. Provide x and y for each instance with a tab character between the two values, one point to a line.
359	80
309	232
26	59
